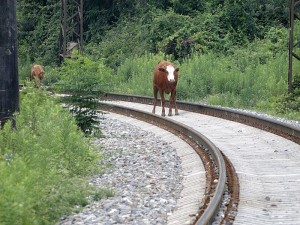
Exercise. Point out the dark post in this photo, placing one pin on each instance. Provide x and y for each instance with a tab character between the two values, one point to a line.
291	43
9	84
293	15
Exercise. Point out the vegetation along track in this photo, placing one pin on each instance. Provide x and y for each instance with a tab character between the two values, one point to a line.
266	160
220	174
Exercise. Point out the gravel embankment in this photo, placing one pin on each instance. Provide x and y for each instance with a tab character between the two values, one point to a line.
143	171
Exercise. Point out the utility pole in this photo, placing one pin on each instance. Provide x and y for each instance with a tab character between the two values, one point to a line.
71	27
293	15
9	83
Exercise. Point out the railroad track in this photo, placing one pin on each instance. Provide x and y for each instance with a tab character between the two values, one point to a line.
214	162
262	197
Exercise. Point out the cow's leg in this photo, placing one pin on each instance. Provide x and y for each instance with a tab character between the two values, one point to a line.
175	105
162	96
155	91
171	103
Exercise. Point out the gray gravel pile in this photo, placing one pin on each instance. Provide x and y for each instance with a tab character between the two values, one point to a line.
143	171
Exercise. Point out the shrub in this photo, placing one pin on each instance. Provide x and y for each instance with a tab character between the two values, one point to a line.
43	163
85	80
290	103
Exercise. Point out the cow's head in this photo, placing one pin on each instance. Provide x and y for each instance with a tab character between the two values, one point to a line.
172	73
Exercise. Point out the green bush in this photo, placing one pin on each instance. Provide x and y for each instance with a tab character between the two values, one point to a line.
128	38
84	76
85	80
290	103
52	76
43	163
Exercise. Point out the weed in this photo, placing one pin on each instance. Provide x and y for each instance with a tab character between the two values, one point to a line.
44	163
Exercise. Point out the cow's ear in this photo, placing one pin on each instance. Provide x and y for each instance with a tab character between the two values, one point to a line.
162	69
177	69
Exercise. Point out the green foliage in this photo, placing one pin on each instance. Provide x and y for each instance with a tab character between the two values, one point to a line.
85	80
24	71
251	19
188	6
116	30
43	163
225	82
126	39
181	28
290	103
52	76
38	31
137	73
159	31
170	33
241	46
84	76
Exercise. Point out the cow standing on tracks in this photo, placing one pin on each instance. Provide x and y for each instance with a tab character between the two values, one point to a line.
37	74
165	80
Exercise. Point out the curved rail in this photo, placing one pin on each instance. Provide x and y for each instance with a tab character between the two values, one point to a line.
271	125
208	215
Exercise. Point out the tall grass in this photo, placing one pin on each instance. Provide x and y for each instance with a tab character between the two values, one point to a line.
43	163
137	73
245	79
219	78
222	81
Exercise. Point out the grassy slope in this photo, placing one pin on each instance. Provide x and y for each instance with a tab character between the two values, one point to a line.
44	163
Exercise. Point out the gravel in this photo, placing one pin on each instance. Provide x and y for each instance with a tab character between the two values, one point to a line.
294	123
144	173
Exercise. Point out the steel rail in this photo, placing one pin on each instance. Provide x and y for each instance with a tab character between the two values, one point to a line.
271	125
209	213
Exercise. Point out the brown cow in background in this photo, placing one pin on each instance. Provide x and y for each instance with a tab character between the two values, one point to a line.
165	80
37	74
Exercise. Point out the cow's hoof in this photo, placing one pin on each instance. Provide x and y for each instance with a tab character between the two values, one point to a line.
176	113
163	114
170	114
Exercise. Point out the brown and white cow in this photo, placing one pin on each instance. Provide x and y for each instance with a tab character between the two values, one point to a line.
165	81
37	74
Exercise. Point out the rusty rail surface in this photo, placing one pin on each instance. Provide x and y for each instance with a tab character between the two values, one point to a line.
271	125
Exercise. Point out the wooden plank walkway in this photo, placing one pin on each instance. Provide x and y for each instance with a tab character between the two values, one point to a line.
268	167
